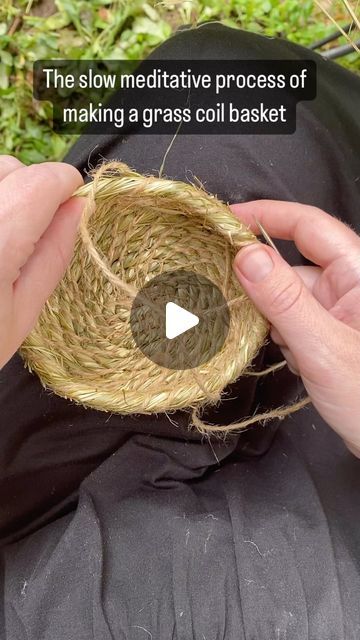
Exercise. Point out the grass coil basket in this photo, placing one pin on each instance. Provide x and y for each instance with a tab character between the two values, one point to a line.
135	227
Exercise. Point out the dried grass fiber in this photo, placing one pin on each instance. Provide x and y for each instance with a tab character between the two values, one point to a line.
135	227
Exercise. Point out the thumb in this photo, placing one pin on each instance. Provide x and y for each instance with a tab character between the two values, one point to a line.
282	297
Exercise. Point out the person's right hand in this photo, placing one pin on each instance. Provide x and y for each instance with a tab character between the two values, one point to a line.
38	226
314	311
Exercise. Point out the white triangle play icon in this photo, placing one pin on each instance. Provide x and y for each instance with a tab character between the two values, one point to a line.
178	320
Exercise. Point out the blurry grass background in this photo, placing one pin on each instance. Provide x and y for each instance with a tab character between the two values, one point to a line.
125	29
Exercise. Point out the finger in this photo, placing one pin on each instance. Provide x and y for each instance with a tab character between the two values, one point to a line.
8	164
319	236
277	338
290	360
47	264
280	294
347	309
280	342
309	275
29	198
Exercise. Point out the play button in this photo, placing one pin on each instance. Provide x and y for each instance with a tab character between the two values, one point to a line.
180	320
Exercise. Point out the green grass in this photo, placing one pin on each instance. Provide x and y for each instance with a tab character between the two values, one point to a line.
117	29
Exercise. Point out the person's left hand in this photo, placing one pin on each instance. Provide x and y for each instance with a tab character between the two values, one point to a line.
38	225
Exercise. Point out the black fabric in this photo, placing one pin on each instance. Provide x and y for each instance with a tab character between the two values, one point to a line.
137	527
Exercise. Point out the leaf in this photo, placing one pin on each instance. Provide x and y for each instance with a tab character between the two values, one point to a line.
31	156
4	78
160	30
57	21
6	58
150	12
59	145
8	143
231	23
69	6
4	93
266	7
117	53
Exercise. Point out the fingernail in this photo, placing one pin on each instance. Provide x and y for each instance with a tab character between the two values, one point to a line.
254	263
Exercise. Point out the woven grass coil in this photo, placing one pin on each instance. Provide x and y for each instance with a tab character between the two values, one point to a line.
135	227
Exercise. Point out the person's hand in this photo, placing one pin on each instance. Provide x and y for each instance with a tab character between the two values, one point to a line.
314	312
38	224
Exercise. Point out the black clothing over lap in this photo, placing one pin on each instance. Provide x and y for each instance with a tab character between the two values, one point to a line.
135	527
